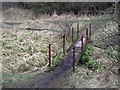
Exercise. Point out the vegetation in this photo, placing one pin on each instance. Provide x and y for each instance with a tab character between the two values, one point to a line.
99	64
57	60
87	61
24	54
65	7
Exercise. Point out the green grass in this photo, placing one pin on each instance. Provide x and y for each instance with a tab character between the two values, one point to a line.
11	80
99	17
24	52
112	55
86	54
86	60
86	78
16	80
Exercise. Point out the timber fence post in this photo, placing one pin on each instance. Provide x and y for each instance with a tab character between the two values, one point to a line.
82	43
72	34
49	55
64	44
90	32
77	30
86	36
73	58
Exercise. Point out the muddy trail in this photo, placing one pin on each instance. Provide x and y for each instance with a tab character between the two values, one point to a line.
50	79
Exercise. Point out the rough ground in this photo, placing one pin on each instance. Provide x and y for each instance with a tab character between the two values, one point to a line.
20	40
101	78
107	75
24	52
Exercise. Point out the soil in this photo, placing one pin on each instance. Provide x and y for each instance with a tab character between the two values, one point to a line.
51	79
56	78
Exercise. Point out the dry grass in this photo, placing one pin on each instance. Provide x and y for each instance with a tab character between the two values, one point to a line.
28	50
23	51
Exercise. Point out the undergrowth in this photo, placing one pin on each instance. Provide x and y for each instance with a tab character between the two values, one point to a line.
86	61
56	60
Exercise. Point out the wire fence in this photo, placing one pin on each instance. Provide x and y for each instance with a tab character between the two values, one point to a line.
66	41
57	48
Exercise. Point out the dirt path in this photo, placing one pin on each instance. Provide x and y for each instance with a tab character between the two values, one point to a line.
66	67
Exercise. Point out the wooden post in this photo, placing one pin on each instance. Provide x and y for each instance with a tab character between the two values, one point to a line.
90	26
73	58
90	32
86	36
64	44
90	35
82	43
72	34
49	55
77	30
96	14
